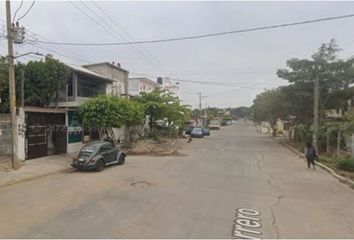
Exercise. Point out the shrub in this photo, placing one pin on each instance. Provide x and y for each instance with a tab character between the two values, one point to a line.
346	165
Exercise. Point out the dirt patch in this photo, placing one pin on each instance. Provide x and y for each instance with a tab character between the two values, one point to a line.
164	147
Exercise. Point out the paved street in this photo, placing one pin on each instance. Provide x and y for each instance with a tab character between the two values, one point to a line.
195	195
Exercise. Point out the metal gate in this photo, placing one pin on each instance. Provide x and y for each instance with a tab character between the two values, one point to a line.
39	125
37	141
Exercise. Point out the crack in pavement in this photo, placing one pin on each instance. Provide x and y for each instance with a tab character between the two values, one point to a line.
279	197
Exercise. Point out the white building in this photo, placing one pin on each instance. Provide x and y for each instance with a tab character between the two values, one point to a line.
141	85
172	87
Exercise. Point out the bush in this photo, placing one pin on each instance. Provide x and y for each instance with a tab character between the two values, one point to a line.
154	134
346	165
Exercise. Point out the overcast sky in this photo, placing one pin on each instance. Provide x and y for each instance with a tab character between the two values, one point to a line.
248	59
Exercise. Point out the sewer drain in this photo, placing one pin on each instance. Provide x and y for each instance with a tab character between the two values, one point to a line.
141	184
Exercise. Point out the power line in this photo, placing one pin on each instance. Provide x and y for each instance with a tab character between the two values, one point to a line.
59	49
57	52
205	82
143	50
18	9
55	49
114	33
206	35
29	9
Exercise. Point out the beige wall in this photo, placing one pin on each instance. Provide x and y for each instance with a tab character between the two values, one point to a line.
119	76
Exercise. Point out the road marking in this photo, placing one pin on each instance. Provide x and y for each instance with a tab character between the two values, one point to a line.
246	224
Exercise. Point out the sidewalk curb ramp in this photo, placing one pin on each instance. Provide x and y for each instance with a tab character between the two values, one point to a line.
342	179
36	177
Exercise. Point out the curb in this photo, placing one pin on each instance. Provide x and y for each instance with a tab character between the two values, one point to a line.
329	170
68	170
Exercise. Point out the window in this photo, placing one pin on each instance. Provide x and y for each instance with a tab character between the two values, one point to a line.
70	86
106	148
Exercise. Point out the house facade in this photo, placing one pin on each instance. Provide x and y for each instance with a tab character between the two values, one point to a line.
114	72
172	87
82	84
141	85
56	130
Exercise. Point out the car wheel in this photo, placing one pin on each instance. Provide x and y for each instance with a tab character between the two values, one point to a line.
122	160
99	165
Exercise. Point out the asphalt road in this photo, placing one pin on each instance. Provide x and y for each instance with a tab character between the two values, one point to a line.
236	178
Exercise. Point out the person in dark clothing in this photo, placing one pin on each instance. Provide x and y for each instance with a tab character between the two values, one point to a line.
311	155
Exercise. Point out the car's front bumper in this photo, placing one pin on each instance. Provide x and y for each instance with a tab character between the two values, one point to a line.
197	136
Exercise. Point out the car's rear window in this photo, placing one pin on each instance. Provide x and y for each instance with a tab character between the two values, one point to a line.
88	149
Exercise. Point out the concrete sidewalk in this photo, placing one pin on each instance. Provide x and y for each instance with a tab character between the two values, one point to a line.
35	168
284	141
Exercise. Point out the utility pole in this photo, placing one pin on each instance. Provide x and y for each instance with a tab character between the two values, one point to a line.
12	93
200	101
316	106
22	88
205	115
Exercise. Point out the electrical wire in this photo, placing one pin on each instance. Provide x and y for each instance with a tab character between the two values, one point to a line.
205	82
107	27
206	35
143	50
18	9
57	52
29	9
57	48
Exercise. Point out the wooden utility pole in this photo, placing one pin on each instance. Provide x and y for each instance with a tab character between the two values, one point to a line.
22	88
12	90
316	107
200	101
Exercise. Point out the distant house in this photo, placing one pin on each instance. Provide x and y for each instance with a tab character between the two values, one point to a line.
172	87
114	72
141	85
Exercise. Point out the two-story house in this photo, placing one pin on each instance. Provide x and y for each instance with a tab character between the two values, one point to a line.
114	72
141	85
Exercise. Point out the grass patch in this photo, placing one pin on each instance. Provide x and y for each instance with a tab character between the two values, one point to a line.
345	165
341	166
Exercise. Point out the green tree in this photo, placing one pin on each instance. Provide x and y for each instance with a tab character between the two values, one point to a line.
160	105
241	112
270	106
334	75
42	81
106	112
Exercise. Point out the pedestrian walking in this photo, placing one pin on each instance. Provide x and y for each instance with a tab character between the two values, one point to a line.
311	155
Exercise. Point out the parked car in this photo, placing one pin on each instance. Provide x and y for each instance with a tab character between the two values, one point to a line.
197	132
214	125
97	155
188	130
206	131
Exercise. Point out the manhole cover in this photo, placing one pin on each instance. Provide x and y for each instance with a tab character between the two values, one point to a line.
141	184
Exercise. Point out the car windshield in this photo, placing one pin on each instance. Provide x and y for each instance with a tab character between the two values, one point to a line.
197	130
